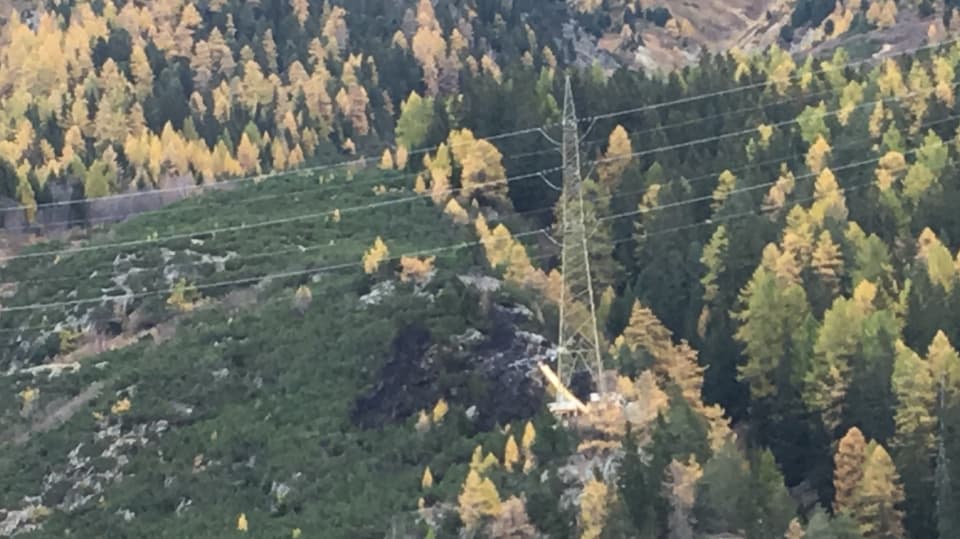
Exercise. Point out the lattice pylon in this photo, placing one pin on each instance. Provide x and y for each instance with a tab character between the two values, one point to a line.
579	339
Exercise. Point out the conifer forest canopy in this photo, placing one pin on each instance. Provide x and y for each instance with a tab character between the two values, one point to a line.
592	269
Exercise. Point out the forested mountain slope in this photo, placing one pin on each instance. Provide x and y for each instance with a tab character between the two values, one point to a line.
106	97
326	352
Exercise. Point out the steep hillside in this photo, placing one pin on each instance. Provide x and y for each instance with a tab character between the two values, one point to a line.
663	35
108	97
298	413
767	349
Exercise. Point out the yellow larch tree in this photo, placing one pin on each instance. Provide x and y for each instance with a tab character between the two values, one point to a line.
353	103
726	184
943	79
918	182
511	454
335	31
890	81
645	331
301	10
780	68
827	261
222	102
248	155
676	363
401	157
593	509
889	169
456	212
141	71
512	522
921	88
375	255
296	157
680	486
416	269
420	185
936	258
256	90
491	68
201	62
223	60
882	13
878	118
440	169
80	112
829	200
481	165
279	153
817	155
426	481
915	386
848	469
482	463
175	158
428	45
776	197
944	360
297	76
478	500
876	508
202	161
850	99
270	50
529	438
618	158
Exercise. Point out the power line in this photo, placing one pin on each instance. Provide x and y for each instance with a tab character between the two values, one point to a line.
513	215
242	227
455	247
768	82
479	186
704	176
757	186
362	160
736	216
386	180
700	119
358	162
451	250
418	253
744	131
475	243
697	97
278	275
299	249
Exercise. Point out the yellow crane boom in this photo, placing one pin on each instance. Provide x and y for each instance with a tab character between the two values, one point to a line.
567	401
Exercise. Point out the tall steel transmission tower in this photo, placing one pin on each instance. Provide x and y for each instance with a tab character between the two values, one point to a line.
579	343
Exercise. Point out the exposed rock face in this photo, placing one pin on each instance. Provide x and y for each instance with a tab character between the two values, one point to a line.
488	371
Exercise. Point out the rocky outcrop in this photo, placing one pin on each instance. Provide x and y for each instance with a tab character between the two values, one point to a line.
84	474
489	370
